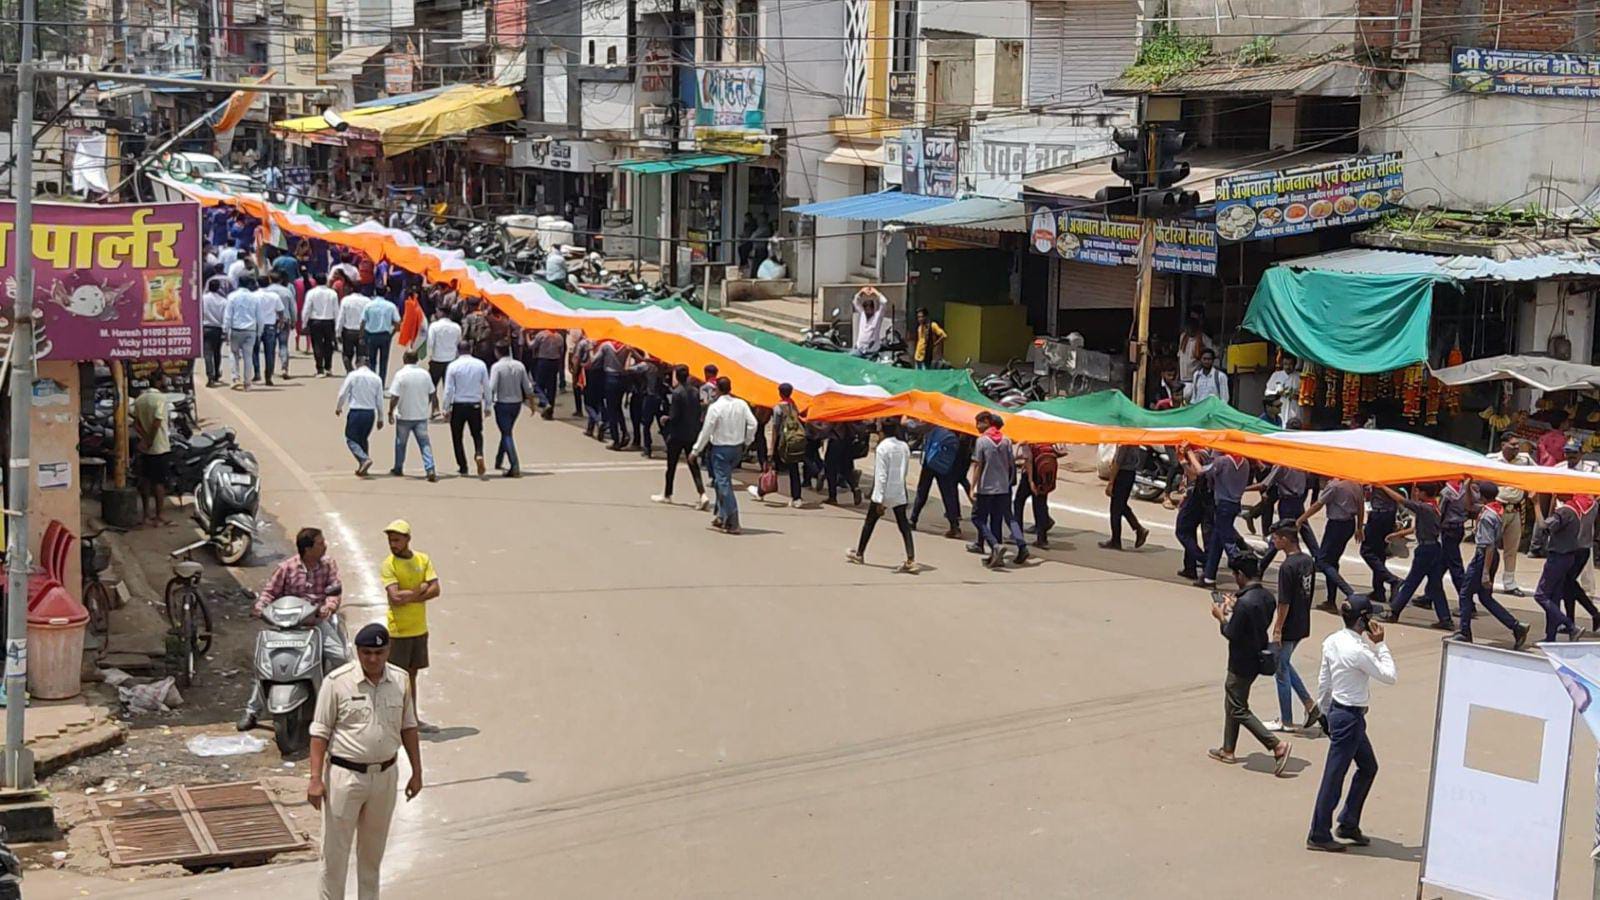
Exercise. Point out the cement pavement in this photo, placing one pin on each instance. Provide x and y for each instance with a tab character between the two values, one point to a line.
635	706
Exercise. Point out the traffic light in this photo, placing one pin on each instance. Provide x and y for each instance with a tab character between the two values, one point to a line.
1132	165
1164	201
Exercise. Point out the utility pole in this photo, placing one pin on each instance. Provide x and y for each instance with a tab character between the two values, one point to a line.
16	766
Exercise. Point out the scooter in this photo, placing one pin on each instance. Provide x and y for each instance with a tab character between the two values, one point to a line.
289	664
226	503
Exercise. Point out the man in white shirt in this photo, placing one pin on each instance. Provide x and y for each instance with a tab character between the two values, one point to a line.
444	345
214	327
1351	658
351	310
321	314
466	393
870	310
728	428
1207	381
362	395
411	404
1284	384
240	321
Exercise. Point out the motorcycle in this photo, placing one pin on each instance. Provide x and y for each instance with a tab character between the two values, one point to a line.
829	336
191	455
226	503
1154	475
290	665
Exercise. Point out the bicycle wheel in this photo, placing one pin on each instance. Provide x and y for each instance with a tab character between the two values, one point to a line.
97	600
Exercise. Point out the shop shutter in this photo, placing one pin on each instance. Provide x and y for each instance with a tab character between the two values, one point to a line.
1081	285
1077	45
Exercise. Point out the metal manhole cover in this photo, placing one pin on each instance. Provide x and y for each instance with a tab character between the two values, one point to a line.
210	824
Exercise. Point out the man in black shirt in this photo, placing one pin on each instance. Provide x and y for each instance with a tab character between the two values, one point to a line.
1245	618
681	429
1292	624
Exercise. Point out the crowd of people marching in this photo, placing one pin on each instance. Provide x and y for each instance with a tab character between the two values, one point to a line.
462	359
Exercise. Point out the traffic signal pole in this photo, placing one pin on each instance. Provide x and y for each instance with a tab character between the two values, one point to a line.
1147	263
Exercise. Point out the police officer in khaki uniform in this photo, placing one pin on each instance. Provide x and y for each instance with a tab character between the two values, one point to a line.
364	715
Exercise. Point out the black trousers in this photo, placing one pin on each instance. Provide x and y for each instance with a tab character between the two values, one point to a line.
321	332
470	417
350	347
874	513
212	338
676	449
1121	490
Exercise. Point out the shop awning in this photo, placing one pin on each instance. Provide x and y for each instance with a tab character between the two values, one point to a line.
1540	372
355	57
1371	261
883	206
1289	76
454	112
1354	323
673	164
1205	167
983	213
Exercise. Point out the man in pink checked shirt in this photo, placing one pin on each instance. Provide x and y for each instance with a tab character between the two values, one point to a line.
312	576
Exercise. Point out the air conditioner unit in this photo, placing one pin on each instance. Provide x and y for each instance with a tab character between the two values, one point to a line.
1407	42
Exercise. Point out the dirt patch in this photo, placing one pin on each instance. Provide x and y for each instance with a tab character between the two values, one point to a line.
156	754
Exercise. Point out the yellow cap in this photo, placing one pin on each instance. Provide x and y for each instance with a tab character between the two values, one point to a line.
398	526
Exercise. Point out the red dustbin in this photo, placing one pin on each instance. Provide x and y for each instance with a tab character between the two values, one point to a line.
56	626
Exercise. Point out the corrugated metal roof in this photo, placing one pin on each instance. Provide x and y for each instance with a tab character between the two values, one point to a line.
884	206
984	213
1368	261
1327	79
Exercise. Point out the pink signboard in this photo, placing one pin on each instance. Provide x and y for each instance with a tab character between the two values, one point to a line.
115	281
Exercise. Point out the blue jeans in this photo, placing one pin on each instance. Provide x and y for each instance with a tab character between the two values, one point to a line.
357	428
1478	582
505	418
404	429
1336	536
1289	683
266	344
377	344
1347	733
724	459
1223	534
1427	561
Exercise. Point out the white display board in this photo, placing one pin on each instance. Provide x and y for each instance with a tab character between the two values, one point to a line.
1498	793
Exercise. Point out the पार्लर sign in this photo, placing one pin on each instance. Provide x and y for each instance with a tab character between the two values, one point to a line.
1525	73
1182	246
1259	205
111	282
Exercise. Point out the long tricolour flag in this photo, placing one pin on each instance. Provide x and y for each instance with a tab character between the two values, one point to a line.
839	387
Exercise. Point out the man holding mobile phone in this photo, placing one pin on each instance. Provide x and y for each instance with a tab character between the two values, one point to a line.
1351	658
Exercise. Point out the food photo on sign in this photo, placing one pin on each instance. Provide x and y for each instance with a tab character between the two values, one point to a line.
111	281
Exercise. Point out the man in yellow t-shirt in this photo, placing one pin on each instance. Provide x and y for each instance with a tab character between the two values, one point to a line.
410	581
930	341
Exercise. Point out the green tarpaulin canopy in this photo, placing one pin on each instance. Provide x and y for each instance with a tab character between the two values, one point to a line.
1352	322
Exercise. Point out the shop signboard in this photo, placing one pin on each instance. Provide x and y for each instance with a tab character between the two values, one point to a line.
1525	73
111	282
731	97
1182	246
930	161
1259	205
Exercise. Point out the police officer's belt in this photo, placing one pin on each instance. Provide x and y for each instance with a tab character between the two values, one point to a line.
365	768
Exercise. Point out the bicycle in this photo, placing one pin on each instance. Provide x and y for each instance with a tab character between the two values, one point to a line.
189	638
97	599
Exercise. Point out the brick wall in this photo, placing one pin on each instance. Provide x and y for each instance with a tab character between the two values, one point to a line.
1552	25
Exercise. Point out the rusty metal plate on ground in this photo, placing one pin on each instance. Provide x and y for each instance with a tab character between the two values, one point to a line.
199	825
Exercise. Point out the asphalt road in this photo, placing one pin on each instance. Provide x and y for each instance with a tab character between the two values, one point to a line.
636	706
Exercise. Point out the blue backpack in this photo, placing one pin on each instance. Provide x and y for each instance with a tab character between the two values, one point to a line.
939	451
